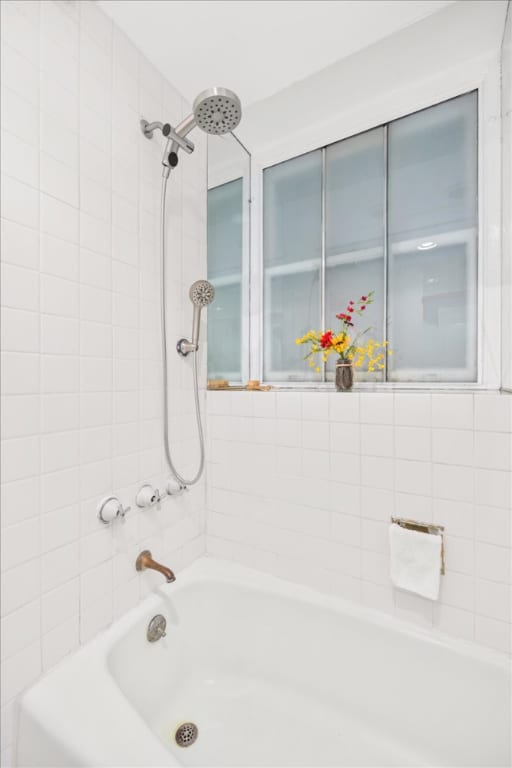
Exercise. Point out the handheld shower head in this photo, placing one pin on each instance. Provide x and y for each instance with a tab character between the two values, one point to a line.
201	294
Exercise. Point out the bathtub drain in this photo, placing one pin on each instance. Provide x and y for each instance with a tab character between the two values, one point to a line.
186	734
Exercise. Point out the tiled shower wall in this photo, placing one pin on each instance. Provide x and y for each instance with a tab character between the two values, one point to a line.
506	191
303	485
81	367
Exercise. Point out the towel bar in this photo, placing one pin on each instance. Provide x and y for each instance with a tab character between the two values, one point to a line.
414	525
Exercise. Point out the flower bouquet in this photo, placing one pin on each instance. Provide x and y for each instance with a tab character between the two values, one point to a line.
345	344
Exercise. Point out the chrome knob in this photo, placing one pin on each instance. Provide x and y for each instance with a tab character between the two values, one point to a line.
156	628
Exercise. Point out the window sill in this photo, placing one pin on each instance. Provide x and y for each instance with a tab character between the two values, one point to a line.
452	389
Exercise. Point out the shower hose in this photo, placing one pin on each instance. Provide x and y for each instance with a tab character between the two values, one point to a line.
179	477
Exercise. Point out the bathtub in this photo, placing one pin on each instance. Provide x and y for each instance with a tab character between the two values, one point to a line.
272	674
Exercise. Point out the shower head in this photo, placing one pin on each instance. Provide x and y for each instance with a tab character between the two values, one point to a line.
217	111
201	293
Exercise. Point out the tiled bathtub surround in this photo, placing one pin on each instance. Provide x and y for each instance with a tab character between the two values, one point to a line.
303	485
81	374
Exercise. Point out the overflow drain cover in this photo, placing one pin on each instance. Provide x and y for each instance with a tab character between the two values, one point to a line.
186	734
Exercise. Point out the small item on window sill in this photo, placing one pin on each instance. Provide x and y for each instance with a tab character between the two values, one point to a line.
344	377
253	385
218	384
347	344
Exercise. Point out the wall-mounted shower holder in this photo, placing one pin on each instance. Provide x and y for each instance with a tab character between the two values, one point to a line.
175	488
168	131
111	508
148	128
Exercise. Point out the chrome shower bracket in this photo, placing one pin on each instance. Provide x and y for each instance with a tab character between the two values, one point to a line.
148	128
170	134
184	347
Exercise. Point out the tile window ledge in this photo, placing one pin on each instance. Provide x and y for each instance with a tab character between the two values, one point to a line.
381	388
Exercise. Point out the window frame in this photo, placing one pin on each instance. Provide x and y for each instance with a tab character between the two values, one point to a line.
234	278
246	296
457	82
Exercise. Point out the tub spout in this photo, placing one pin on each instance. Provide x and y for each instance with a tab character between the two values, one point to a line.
144	560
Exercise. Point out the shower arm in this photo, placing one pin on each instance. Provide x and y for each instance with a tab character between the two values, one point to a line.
176	135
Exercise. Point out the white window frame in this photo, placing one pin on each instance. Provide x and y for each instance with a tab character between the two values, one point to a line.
221	176
482	75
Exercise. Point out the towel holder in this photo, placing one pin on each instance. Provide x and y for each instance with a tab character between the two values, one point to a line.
414	525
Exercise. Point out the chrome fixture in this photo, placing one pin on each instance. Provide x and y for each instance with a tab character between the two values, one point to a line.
201	294
168	131
111	508
149	128
215	111
147	496
145	562
186	734
156	628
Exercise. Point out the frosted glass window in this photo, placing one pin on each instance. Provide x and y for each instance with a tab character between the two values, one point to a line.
432	227
392	210
355	231
292	248
225	254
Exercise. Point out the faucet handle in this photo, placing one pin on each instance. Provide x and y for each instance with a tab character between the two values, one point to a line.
148	496
110	508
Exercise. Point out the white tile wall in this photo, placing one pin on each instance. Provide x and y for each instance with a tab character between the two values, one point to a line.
299	484
81	383
313	503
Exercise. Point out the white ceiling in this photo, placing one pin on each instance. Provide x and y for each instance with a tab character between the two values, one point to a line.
256	47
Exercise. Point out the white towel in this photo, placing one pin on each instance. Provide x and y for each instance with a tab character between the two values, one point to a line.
415	561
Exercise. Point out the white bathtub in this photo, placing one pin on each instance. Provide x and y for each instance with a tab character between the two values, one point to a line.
272	674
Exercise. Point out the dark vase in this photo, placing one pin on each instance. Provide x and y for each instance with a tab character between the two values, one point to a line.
344	379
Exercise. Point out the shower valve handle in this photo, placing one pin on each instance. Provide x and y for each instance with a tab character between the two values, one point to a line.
110	509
